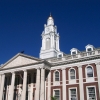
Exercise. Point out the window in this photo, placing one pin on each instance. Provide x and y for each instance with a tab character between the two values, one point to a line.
59	56
72	74
74	53
57	94
89	49
72	94
89	71
56	76
91	93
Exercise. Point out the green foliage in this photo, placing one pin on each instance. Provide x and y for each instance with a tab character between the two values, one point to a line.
53	98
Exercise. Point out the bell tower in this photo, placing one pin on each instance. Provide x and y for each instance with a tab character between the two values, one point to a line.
50	40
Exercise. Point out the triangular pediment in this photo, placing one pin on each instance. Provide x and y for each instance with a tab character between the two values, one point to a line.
20	60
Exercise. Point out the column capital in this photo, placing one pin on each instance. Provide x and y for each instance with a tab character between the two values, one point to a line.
24	70
98	63
2	73
38	68
80	66
13	72
63	68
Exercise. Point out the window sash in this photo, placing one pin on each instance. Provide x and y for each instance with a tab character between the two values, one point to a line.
56	76
73	94
72	74
74	53
89	72
91	93
57	94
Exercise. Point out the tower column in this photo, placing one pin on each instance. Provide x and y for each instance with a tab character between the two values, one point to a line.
2	86
37	93
42	93
58	43
51	41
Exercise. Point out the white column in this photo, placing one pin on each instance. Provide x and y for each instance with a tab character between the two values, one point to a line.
37	92
98	75
49	86
53	40
24	86
42	93
0	81
2	86
12	86
58	43
7	88
64	83
81	83
43	44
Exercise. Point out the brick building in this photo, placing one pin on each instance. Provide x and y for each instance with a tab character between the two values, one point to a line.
74	76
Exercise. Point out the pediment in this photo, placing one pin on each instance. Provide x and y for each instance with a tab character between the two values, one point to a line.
20	60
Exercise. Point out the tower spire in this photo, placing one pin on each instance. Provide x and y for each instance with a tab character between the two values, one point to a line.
50	14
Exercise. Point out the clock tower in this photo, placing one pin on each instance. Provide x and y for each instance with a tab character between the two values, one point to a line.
50	40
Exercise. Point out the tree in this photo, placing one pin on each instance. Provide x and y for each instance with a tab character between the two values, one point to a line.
53	98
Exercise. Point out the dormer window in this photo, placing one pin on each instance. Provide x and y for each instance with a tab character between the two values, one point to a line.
89	49
60	55
74	53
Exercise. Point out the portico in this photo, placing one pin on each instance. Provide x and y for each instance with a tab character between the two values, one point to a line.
26	82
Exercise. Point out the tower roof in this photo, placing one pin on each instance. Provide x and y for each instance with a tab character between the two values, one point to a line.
50	20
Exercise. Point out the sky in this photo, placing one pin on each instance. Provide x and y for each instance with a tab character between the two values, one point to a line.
22	23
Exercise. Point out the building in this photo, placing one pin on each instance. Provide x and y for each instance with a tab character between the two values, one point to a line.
67	77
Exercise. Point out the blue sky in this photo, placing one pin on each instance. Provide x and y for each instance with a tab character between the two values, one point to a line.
22	22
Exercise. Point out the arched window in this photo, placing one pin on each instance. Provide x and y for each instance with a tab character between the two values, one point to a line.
48	44
72	74
89	71
56	76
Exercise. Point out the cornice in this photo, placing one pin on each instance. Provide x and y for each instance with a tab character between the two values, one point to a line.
76	60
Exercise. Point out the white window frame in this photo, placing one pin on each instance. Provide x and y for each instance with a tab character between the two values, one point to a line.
74	50
70	93
88	47
86	71
59	93
69	74
54	75
88	93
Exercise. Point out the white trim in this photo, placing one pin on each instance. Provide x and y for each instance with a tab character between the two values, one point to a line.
89	46
87	91
75	64
70	94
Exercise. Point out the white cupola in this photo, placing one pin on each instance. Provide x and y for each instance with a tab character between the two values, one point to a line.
50	40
